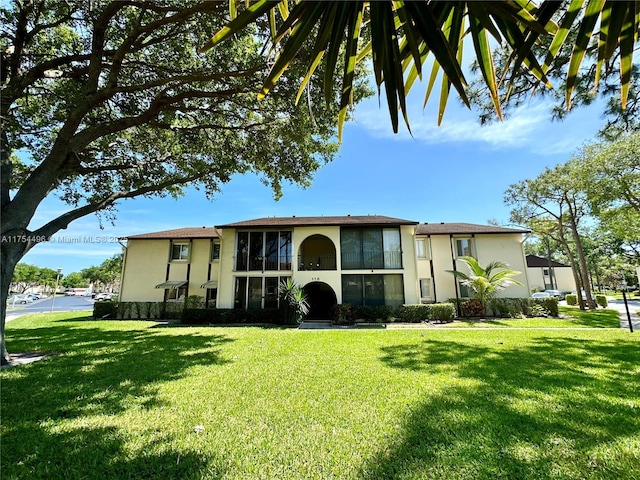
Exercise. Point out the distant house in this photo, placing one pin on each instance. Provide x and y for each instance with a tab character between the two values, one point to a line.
547	274
361	260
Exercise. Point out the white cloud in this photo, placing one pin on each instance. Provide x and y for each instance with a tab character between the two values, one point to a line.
528	127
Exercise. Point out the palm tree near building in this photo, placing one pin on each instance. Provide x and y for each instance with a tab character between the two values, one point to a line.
486	282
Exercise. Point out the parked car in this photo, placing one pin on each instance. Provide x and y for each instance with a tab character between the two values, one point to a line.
21	299
556	293
541	295
104	296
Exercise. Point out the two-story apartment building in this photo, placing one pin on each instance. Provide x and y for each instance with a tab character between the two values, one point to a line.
362	260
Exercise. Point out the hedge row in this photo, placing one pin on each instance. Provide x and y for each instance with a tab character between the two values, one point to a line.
138	310
342	314
572	300
509	307
230	316
439	312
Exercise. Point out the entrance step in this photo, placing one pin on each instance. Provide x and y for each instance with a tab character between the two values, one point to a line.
314	324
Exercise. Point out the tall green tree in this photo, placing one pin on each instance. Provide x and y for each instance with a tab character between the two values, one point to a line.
486	282
105	274
609	174
401	36
552	205
25	276
108	100
75	280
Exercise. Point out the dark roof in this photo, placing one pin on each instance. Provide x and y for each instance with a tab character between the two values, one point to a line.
189	232
319	221
462	228
535	261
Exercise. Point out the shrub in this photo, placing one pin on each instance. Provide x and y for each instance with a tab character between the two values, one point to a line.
471	308
343	314
194	302
572	299
602	301
413	313
549	305
509	307
377	313
105	310
441	312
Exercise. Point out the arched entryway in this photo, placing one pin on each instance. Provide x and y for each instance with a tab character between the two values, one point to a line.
321	298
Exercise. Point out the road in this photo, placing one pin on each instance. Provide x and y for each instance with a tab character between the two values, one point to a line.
60	304
634	311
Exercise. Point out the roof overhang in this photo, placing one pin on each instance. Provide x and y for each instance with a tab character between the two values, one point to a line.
172	284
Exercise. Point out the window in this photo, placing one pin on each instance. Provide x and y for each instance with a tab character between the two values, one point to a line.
364	248
180	252
465	290
257	292
426	288
464	247
212	295
215	252
179	293
259	251
421	248
373	290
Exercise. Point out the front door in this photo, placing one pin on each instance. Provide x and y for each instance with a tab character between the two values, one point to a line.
321	298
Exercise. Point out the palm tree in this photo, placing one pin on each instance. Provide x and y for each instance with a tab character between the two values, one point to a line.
295	302
402	35
486	282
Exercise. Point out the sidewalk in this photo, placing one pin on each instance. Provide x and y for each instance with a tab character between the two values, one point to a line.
634	308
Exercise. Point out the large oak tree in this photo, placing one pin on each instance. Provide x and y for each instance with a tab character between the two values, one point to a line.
108	100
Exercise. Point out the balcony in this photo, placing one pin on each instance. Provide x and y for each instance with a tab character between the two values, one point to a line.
317	262
262	264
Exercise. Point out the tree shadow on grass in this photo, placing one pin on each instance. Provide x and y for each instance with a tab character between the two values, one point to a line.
49	408
606	318
552	408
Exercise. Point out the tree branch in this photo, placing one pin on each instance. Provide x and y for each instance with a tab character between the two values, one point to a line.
63	221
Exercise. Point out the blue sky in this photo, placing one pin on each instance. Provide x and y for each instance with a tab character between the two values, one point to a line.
457	172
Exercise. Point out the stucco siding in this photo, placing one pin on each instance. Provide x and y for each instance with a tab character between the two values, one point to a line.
563	278
199	258
145	267
507	249
226	269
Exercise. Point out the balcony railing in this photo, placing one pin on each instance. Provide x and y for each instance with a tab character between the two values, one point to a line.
253	264
317	262
389	259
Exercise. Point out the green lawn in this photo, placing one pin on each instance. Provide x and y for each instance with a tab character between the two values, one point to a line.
570	317
122	400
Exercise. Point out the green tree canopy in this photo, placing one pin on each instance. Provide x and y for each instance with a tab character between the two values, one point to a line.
74	280
108	100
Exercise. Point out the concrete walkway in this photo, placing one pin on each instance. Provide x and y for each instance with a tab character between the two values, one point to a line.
634	309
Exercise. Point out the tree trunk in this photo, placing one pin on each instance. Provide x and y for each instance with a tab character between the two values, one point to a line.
584	271
11	253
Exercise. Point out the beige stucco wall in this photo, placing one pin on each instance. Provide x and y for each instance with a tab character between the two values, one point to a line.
226	275
487	248
147	261
145	266
333	278
563	278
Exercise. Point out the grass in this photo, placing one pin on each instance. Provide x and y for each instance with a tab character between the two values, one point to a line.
570	317
123	400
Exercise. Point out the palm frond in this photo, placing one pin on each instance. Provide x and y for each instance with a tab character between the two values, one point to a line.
405	34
